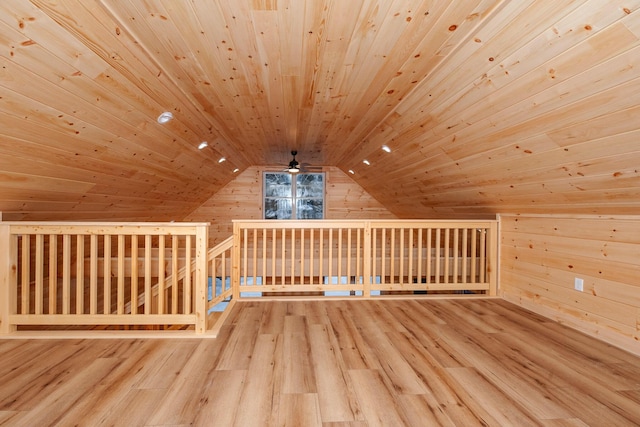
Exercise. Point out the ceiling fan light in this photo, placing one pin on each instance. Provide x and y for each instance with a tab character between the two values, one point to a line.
293	169
165	117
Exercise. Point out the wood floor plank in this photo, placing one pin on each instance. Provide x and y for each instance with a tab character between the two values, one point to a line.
43	371
399	375
504	409
187	395
221	407
299	376
259	399
138	404
378	405
236	353
353	348
63	401
511	374
124	375
480	362
299	410
443	391
336	394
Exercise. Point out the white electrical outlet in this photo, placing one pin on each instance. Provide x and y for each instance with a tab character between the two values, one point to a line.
578	284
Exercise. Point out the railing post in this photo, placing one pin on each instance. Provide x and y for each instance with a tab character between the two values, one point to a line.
367	261
492	264
8	261
235	262
201	278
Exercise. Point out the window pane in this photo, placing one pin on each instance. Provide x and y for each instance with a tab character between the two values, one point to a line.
310	185
309	209
277	209
277	185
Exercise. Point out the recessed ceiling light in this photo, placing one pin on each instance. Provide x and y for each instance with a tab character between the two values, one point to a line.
236	170
222	159
165	117
366	162
386	148
202	145
351	172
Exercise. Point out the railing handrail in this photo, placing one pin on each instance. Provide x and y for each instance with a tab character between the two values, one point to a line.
89	228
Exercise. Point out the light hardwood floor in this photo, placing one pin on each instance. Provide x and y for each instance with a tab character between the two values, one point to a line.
347	363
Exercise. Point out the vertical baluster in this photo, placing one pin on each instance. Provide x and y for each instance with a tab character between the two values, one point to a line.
80	274
419	271
121	274
383	254
437	256
175	246
147	274
474	255
483	252
254	258
283	272
339	260
465	249
429	255
401	270
292	258
348	273
187	284
161	273
358	255
321	258
134	274
223	271
302	256
274	239
25	273
263	273
411	256
447	255
312	255
93	274
330	256
66	274
53	274
456	257
106	285
245	255
39	294
374	254
392	258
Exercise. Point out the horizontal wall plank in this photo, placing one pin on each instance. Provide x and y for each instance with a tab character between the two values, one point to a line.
541	255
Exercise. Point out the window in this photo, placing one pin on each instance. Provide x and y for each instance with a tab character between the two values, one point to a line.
299	196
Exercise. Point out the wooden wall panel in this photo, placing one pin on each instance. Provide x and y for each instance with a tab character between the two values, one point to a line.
541	255
242	199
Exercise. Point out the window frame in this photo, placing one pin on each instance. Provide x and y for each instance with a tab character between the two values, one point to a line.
294	198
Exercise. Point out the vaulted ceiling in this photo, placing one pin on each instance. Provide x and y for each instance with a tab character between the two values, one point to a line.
487	105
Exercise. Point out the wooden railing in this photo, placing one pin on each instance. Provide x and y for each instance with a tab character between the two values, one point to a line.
103	274
161	275
365	258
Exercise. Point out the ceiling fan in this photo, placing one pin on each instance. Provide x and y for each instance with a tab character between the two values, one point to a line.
295	166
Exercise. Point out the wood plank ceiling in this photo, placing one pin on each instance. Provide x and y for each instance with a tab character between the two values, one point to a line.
487	105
